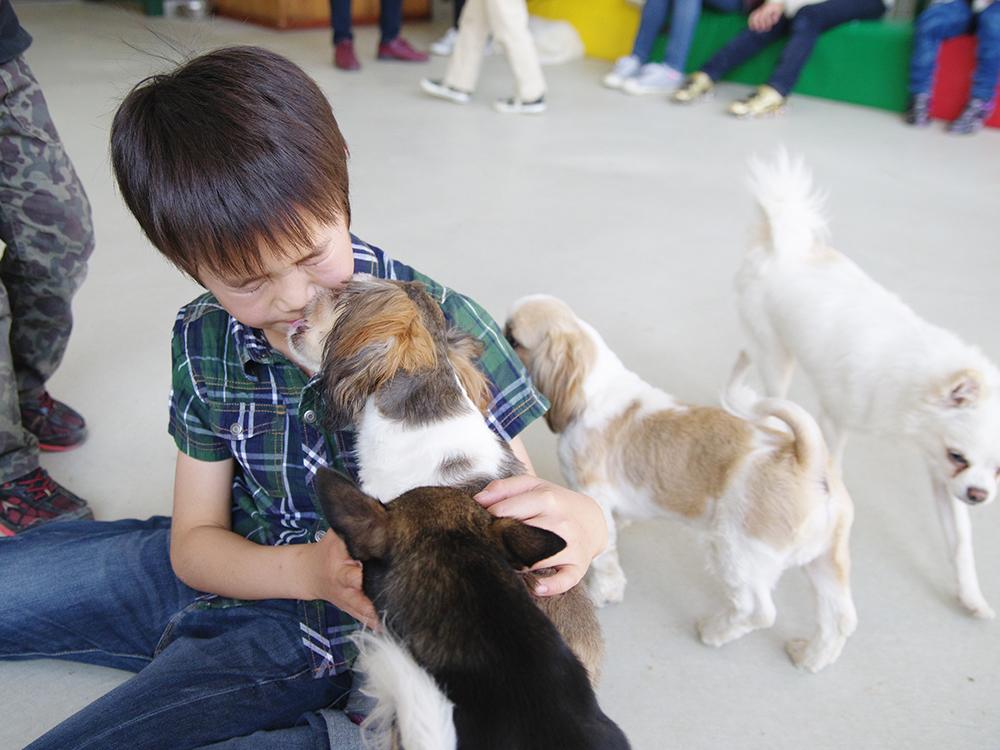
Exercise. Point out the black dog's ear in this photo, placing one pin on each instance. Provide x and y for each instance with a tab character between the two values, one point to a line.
361	521
526	545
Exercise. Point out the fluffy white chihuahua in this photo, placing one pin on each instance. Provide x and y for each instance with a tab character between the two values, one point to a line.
876	366
755	478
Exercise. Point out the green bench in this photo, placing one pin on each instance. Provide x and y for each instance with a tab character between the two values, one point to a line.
861	62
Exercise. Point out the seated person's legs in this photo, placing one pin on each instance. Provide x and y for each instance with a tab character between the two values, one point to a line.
940	21
982	96
808	24
218	673
99	593
987	72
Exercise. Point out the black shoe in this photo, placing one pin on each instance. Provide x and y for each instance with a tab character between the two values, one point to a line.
35	499
57	427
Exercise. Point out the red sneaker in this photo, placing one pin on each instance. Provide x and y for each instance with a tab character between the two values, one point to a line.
57	427
344	57
35	499
400	49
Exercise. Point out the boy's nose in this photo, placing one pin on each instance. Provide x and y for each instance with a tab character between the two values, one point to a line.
296	293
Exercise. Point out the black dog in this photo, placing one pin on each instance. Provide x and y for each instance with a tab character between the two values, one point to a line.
441	571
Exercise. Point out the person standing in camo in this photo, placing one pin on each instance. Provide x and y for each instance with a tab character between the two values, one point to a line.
46	229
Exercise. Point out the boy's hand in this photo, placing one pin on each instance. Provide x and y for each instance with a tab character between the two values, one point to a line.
339	580
577	518
765	16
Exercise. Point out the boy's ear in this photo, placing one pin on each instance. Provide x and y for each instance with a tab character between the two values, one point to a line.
361	521
526	545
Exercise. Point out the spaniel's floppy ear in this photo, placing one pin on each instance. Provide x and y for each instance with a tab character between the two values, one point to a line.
361	521
463	350
559	365
378	333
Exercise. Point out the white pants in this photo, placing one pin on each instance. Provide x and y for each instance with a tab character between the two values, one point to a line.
507	20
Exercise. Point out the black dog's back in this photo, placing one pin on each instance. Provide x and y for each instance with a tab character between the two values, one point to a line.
441	571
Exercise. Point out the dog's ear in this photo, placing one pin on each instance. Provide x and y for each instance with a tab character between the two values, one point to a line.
361	521
559	365
378	333
526	545
463	350
963	389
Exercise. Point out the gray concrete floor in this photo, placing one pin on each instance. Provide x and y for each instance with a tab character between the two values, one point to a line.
635	212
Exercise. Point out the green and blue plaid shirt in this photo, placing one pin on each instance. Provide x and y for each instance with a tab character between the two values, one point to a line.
234	396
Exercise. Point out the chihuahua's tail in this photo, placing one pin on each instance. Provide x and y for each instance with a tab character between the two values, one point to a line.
792	216
409	701
742	401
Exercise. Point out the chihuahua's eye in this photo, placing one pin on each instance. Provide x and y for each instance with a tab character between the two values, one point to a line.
958	460
511	340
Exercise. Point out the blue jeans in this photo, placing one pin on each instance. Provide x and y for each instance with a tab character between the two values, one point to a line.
105	593
943	21
804	30
390	20
682	26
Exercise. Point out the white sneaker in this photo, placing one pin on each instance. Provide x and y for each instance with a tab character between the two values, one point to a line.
517	107
445	44
625	68
653	78
441	91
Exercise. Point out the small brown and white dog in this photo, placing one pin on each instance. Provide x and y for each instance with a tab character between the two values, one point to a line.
440	570
390	363
756	478
876	366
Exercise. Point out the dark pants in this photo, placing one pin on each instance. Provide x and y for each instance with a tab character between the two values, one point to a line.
390	19
943	21
804	30
105	593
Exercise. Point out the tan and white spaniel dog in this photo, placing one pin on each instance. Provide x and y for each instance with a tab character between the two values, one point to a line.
756	478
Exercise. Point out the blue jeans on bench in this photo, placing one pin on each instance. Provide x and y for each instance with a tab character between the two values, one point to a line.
683	22
946	20
804	30
105	594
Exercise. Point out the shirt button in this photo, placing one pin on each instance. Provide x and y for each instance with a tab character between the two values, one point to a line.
236	429
319	535
309	416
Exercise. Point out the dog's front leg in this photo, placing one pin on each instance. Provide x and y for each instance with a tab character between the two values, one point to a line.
607	579
958	532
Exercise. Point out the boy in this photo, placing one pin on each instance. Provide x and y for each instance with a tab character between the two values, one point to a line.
236	613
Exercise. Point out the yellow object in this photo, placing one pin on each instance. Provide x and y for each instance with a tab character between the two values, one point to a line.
607	27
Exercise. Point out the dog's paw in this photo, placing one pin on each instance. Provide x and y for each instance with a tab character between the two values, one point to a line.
607	587
979	609
814	656
720	628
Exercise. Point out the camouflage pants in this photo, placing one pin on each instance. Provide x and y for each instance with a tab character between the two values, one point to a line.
46	228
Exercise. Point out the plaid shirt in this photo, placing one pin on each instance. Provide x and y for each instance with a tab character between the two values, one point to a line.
235	397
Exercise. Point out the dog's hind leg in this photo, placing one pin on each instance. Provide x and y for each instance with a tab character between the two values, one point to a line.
836	617
958	531
772	361
748	574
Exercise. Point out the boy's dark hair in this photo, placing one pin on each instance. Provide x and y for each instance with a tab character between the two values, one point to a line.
232	152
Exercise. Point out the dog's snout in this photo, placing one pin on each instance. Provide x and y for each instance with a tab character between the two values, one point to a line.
976	495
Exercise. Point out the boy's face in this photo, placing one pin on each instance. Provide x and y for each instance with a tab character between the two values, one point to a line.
274	300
